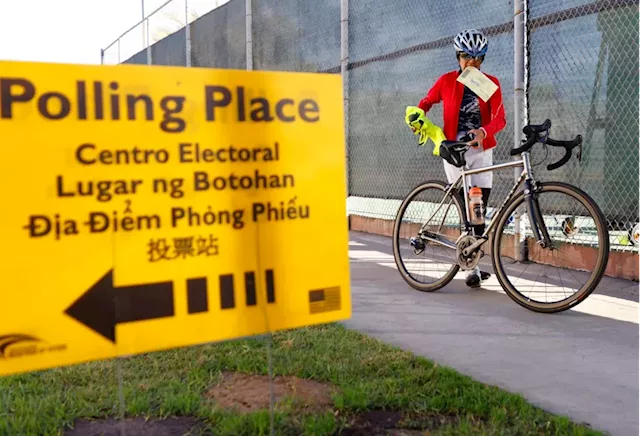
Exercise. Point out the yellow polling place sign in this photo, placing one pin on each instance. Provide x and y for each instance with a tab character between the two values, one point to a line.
147	208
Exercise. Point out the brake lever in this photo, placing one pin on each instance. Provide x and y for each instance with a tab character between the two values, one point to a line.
579	153
543	139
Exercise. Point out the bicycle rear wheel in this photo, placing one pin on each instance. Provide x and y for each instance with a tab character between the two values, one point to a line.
572	268
426	250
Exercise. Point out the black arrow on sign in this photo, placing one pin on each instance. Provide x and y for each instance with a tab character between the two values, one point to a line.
103	305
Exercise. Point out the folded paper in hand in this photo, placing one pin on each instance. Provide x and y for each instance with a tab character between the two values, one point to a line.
476	81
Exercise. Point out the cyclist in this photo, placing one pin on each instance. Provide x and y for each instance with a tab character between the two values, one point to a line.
465	113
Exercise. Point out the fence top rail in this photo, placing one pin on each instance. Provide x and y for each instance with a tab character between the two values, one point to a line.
136	25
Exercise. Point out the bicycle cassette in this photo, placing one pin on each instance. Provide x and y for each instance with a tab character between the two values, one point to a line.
471	261
417	244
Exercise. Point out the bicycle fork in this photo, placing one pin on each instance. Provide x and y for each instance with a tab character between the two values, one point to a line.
538	227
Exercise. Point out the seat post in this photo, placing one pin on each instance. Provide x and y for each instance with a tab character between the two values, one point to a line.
465	191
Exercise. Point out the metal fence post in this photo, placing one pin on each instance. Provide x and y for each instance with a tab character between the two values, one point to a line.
249	34
187	32
518	104
143	23
145	35
149	62
344	71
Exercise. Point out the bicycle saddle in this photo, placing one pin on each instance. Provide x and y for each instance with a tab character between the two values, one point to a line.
453	152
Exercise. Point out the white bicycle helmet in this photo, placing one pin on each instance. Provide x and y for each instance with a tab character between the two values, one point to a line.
472	42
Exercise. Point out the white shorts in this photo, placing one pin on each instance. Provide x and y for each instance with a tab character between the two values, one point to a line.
476	157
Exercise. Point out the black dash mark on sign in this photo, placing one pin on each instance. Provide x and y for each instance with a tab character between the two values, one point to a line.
250	288
197	295
103	305
271	291
227	300
227	289
324	300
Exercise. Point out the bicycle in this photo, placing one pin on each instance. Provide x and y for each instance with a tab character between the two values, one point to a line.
512	222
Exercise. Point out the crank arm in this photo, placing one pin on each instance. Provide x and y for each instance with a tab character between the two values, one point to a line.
473	247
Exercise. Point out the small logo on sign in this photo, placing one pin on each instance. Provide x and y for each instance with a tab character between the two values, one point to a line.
19	345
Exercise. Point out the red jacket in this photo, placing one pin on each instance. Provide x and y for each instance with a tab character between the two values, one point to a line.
448	90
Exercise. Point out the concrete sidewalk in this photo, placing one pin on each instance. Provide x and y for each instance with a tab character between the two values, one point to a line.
582	363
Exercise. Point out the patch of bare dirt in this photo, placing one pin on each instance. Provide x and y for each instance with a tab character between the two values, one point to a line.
376	422
177	426
248	392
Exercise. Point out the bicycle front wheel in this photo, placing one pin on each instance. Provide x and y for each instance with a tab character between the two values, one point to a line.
427	227
556	278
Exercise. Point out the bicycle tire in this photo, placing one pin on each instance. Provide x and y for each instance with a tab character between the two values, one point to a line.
423	287
603	251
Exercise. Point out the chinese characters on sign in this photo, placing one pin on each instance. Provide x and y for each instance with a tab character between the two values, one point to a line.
161	249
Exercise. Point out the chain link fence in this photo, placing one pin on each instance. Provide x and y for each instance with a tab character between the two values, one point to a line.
583	75
161	38
398	51
581	72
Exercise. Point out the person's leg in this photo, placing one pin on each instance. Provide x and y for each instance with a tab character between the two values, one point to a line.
479	229
451	172
478	159
486	192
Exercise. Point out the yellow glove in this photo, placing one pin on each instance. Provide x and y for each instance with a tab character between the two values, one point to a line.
421	125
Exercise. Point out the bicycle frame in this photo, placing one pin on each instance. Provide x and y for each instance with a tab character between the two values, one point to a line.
533	210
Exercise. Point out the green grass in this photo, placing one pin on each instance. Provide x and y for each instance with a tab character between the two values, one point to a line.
369	374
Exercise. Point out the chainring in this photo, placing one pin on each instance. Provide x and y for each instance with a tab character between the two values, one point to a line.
467	262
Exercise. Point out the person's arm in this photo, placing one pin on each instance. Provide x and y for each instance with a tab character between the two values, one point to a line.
433	96
497	119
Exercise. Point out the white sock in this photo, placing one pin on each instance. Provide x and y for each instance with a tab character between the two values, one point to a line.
475	271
